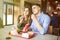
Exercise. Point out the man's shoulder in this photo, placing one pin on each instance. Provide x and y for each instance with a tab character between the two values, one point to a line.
45	15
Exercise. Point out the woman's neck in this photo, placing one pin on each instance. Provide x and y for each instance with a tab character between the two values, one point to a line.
25	16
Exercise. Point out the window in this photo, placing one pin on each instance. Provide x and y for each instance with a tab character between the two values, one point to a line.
8	16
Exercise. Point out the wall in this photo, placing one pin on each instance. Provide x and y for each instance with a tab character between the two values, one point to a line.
16	14
9	1
43	5
28	5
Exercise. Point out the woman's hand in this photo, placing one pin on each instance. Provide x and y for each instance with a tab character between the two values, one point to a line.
21	19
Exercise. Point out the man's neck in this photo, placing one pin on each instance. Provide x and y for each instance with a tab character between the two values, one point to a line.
38	14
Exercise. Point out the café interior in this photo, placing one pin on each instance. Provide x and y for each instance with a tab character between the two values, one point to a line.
11	9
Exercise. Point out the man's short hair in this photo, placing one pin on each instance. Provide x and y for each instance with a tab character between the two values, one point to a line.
37	5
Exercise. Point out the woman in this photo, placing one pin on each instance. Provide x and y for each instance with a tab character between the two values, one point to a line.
24	19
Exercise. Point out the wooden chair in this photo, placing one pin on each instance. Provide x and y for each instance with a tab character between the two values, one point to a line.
56	31
53	31
50	30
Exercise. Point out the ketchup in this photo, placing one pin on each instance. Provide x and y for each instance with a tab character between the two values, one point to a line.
25	29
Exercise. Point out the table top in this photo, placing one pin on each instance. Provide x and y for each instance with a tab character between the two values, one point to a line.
37	37
4	34
59	38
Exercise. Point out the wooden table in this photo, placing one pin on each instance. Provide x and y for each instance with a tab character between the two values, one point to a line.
59	38
4	33
37	37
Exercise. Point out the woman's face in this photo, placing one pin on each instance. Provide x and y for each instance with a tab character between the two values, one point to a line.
26	11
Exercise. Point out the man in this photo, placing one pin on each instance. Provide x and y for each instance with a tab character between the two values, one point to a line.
40	21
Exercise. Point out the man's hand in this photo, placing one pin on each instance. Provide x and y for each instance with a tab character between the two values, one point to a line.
33	17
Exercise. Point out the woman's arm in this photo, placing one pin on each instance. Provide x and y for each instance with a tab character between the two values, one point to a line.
21	20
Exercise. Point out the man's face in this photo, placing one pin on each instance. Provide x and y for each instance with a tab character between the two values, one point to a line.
35	9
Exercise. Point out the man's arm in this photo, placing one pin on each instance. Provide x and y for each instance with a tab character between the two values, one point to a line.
42	29
45	25
34	18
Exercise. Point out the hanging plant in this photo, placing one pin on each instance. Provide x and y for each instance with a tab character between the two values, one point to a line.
1	23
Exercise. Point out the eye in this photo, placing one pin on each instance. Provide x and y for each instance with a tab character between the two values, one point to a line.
34	7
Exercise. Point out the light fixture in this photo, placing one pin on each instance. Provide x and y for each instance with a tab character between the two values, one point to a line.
39	0
56	1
